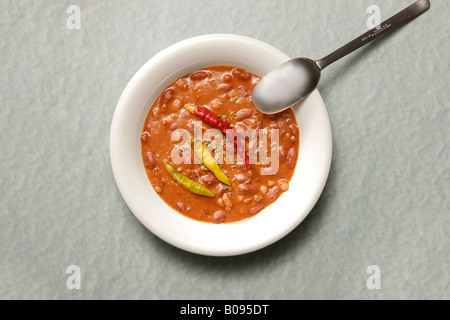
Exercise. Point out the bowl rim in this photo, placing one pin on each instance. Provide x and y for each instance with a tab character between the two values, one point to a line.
117	127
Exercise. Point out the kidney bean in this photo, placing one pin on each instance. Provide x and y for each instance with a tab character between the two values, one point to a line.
248	189
181	84
273	193
177	104
227	200
282	152
291	157
207	178
249	122
225	87
219	216
264	189
256	208
220	202
145	136
270	171
239	129
197	76
167	96
242	166
155	111
157	185
243	91
190	128
243	114
215	105
241	74
183	113
150	160
220	190
284	185
173	126
227	77
241	177
182	207
259	124
252	147
293	139
257	198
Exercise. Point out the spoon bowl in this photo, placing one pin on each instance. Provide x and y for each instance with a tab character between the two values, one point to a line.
285	86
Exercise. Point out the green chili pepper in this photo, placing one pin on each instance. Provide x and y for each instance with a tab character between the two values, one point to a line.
208	160
187	183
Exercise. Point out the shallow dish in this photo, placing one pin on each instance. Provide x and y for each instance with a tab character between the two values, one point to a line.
269	225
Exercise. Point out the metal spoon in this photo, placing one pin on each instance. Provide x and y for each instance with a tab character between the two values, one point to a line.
294	80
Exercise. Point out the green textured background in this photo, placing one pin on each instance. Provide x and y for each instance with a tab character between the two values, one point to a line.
386	202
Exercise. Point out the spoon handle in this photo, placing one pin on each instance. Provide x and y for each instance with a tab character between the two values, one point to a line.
392	23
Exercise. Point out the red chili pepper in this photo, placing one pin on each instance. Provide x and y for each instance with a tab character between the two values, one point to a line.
213	120
240	149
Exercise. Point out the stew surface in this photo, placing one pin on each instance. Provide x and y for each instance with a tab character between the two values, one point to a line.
217	191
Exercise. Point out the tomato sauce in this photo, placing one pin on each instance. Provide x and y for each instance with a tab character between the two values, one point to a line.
227	92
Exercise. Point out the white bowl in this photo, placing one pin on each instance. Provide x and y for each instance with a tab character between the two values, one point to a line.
269	225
